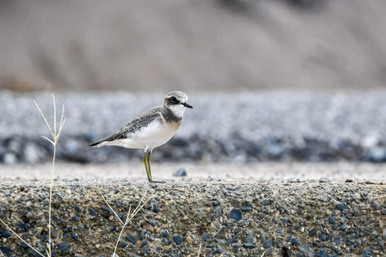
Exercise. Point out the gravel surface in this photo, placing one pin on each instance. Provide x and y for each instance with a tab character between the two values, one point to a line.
183	219
242	127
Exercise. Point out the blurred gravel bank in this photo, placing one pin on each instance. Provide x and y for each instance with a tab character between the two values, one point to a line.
241	128
233	219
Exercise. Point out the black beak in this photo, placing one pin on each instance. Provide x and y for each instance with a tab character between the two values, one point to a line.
187	105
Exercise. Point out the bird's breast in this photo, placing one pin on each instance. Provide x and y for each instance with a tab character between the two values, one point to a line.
174	125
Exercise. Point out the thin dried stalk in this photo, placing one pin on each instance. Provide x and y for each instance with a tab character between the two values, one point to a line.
21	239
199	250
121	232
55	138
128	219
116	215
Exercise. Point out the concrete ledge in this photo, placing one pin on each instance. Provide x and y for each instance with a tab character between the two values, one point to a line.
233	219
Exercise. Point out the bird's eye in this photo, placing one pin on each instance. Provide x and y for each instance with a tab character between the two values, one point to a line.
174	100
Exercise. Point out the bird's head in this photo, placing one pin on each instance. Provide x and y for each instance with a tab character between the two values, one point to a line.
176	101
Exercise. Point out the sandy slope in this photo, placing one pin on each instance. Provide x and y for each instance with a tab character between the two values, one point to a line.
134	171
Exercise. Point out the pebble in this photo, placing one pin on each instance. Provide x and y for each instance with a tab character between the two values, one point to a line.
294	241
323	237
249	245
367	253
215	203
73	236
218	211
220	234
377	206
246	208
146	250
324	180
164	234
140	235
180	173
64	248
249	238
123	244
236	214
321	253
267	244
306	249
312	232
144	243
132	239
6	251
155	208
92	212
264	202
177	240
340	206
5	234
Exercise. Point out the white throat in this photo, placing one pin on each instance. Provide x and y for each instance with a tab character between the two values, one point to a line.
178	110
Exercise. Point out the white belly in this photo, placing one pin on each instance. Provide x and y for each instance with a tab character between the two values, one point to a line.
152	136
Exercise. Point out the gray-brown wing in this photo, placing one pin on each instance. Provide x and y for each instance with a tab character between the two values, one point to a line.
133	126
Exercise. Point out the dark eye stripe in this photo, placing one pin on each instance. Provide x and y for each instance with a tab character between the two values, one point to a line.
174	100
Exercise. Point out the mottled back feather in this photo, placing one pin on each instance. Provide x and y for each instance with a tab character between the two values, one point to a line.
157	113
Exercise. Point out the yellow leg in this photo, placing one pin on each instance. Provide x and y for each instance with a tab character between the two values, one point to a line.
144	159
148	165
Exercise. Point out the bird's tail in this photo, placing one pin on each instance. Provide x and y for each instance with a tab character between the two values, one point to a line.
96	144
103	141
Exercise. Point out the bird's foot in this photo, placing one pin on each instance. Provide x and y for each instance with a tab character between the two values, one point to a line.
157	181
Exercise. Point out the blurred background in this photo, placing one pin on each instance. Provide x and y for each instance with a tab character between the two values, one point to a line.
270	80
210	45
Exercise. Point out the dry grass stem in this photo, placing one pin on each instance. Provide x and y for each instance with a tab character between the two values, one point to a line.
55	133
55	138
116	215
21	239
128	220
121	232
199	250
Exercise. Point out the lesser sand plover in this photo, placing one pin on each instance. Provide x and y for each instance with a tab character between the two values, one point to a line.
153	128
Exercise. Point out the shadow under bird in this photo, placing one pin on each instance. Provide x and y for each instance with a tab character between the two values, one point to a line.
151	129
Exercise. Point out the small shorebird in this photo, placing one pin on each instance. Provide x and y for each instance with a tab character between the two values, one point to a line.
151	129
